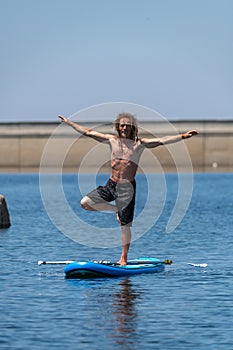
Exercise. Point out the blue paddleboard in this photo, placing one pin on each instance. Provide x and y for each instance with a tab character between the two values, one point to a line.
91	269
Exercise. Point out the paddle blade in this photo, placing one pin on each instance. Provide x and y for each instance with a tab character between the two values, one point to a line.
167	262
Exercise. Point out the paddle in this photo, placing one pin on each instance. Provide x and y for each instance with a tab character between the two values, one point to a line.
166	262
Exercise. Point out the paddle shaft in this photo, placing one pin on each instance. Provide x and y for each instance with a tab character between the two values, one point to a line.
167	262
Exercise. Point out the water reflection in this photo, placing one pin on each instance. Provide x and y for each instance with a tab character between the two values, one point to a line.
112	302
125	314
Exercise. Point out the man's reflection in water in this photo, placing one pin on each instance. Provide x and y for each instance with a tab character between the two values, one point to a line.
125	314
109	311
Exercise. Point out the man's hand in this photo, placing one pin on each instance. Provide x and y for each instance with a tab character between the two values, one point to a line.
189	134
63	119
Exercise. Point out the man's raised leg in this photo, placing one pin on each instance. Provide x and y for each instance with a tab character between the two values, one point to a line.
89	204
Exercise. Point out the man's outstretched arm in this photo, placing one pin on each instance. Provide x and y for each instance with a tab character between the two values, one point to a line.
98	136
155	142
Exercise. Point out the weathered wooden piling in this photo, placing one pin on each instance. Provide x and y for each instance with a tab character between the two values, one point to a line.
4	213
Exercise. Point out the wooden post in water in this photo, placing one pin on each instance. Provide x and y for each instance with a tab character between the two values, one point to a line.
4	214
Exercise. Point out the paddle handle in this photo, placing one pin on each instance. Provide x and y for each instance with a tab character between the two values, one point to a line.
41	262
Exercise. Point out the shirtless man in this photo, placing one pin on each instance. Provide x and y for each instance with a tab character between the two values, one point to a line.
126	150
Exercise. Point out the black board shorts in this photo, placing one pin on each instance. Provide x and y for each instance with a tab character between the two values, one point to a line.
122	193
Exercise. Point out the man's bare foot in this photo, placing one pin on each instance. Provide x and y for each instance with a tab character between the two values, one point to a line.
122	262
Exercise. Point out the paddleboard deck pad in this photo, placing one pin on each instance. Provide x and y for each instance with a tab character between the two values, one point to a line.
93	269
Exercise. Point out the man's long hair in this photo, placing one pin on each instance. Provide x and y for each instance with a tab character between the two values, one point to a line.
133	123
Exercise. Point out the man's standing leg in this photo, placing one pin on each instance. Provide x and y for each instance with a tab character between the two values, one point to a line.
126	239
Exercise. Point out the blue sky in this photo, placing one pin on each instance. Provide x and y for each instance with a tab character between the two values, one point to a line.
173	56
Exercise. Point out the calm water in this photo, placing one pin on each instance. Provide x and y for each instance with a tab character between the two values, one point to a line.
183	308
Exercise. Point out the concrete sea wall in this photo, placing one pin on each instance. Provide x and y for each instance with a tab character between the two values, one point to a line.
23	146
